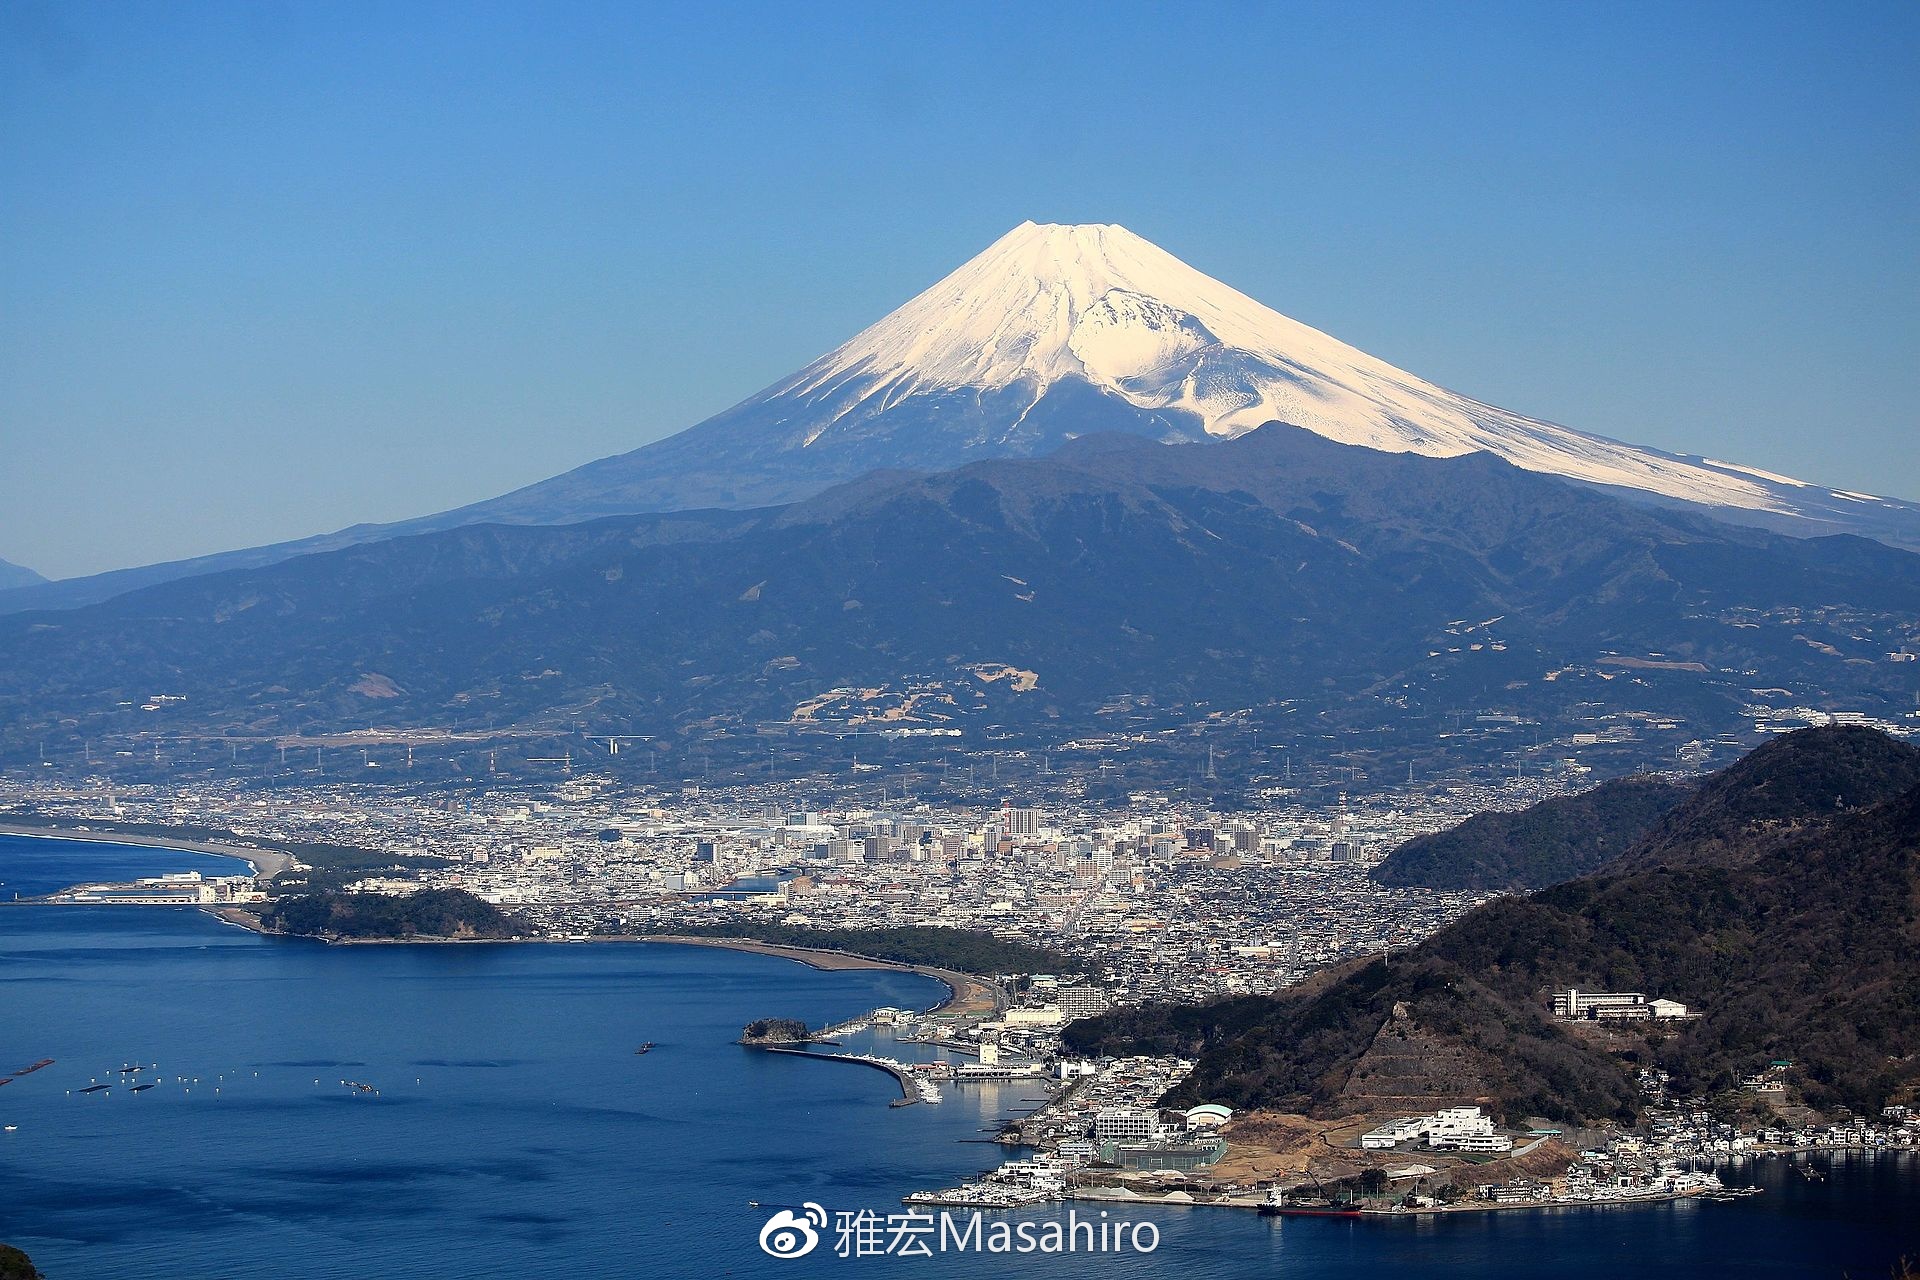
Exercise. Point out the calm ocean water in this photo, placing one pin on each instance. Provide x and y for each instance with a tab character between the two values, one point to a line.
516	1133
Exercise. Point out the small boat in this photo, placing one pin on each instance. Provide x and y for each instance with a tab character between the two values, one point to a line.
12	1128
645	1048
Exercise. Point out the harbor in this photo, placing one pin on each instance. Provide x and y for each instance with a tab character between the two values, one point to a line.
916	1083
920	1081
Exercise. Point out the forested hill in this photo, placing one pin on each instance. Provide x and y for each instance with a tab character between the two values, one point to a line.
1806	946
1640	822
1793	781
430	913
1543	844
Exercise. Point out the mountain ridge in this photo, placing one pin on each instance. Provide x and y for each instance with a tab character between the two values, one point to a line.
1051	333
1638	822
1240	572
17	575
1543	844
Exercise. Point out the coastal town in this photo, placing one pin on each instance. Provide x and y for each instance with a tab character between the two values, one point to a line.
1102	1135
1157	899
1162	900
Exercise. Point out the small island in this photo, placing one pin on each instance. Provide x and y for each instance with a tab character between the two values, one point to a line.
15	1265
777	1031
452	914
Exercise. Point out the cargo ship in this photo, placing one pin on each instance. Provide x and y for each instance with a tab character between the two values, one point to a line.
1276	1209
1278	1206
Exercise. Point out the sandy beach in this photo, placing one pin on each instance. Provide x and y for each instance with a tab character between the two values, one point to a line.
965	993
266	863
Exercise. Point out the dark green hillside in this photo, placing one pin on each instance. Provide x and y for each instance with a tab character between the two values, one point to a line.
15	1265
1803	944
1802	777
1236	574
430	913
1543	844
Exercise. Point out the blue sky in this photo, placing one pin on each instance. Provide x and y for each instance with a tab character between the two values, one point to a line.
271	269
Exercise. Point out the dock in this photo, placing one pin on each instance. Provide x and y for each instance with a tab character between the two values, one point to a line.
912	1088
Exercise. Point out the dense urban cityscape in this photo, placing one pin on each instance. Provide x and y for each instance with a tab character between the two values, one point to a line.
1163	901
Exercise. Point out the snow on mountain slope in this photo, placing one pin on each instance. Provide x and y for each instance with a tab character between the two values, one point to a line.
1056	332
1046	304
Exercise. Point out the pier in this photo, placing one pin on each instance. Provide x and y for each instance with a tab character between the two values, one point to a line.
852	1026
912	1088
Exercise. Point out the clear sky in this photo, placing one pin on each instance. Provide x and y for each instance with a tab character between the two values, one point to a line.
269	269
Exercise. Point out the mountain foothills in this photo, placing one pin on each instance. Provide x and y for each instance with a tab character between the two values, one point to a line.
1113	585
1052	333
1639	821
1786	916
1546	843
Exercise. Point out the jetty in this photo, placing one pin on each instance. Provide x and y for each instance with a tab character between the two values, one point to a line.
852	1026
912	1087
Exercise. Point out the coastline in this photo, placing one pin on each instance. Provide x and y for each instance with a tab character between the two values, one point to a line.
266	863
1095	1195
962	988
1123	1195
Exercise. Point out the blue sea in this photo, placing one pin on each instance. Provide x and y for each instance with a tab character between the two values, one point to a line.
515	1132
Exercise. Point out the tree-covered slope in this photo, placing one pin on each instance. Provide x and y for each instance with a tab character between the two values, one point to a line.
1798	779
1543	844
430	913
1243	573
1802	943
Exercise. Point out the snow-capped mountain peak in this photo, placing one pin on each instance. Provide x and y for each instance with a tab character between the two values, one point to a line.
1041	303
1096	303
1058	331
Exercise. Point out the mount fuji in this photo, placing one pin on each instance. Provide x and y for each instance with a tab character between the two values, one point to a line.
1058	331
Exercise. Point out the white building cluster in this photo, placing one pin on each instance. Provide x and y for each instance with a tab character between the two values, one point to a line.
1449	1129
178	889
1614	1006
